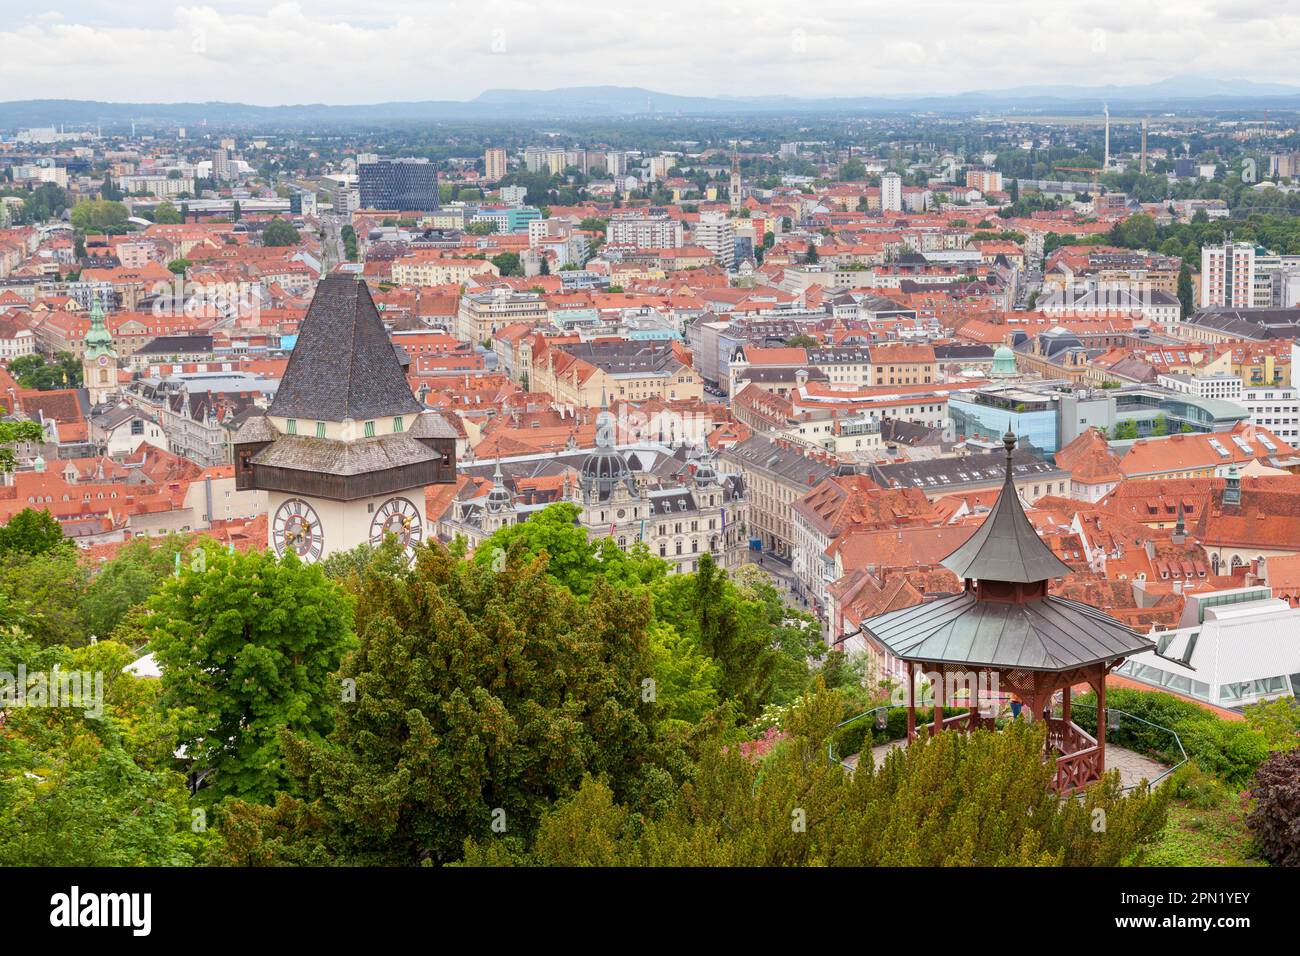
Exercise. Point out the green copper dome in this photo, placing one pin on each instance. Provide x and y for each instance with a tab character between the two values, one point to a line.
99	341
1004	361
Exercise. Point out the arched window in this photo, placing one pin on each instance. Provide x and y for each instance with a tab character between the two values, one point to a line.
1236	561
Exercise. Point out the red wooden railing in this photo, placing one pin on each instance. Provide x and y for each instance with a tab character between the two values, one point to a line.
1078	760
1078	757
970	720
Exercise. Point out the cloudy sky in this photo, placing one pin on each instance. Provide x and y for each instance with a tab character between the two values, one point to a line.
332	51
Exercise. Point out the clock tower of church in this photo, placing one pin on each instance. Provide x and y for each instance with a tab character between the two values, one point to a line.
344	451
99	361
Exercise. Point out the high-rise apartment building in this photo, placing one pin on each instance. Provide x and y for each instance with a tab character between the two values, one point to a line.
494	163
644	232
1228	275
553	161
400	184
717	233
984	179
891	192
222	168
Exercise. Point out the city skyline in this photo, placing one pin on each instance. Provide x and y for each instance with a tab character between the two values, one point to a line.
328	52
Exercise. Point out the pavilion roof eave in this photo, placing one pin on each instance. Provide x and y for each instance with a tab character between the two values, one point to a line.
1047	634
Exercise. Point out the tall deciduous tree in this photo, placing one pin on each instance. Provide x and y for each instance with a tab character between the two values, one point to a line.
249	646
31	532
482	697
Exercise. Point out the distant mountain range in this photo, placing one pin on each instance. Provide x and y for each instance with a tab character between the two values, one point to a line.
1186	93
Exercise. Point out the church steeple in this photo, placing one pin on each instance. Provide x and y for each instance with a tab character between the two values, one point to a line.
99	360
99	341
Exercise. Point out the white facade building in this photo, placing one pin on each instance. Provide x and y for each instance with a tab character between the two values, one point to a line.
891	192
645	232
1275	408
1228	275
717	233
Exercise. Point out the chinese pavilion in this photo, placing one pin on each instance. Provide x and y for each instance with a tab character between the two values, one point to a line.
1004	624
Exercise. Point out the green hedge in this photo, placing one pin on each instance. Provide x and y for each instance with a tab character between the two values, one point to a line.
1229	749
853	738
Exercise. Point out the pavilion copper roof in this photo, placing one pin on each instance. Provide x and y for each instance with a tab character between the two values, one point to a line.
1046	634
1006	547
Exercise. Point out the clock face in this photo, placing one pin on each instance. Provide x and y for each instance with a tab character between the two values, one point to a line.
400	517
103	360
297	528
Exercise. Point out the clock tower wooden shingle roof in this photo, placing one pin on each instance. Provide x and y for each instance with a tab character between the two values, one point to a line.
343	364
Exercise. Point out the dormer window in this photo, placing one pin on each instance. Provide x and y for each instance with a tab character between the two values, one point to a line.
320	429
397	424
291	426
369	430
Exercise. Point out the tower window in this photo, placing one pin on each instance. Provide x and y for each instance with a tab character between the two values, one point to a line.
320	429
291	426
370	430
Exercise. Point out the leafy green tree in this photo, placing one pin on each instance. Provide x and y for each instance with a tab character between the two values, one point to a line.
482	697
12	432
44	592
32	532
853	169
573	561
508	264
166	212
98	215
1278	720
127	580
33	371
686	680
178	266
1186	294
248	645
79	789
726	627
802	342
811	255
279	233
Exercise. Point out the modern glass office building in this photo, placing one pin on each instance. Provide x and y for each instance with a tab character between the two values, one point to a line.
990	414
1051	418
398	184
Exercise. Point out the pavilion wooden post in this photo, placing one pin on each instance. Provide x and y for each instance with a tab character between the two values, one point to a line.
911	702
1065	704
938	703
974	701
1101	721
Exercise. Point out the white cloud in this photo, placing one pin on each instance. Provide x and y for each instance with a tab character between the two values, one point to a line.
331	51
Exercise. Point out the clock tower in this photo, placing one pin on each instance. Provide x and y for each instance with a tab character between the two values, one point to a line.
344	451
99	361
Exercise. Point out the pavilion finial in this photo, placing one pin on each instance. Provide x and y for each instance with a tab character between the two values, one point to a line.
1009	440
